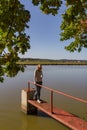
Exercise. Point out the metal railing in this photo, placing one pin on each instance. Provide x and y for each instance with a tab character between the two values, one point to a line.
58	92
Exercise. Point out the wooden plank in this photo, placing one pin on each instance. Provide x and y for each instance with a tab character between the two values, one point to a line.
62	116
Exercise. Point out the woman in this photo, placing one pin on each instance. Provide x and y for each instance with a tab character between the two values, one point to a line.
38	75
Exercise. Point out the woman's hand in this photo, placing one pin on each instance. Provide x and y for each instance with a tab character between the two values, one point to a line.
34	82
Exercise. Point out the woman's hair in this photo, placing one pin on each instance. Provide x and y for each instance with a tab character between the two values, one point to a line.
39	67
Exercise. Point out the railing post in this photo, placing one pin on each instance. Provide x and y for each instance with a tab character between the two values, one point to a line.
28	86
51	101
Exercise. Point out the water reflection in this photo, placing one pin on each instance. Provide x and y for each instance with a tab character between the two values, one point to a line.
40	123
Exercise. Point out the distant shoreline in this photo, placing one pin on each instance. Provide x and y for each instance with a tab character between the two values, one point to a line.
51	62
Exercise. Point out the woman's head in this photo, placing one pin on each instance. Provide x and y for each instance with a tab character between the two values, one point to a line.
39	67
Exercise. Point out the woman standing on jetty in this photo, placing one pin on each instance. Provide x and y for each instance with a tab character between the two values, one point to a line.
38	75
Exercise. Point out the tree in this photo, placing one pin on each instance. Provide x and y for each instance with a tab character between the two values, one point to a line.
74	25
13	39
13	22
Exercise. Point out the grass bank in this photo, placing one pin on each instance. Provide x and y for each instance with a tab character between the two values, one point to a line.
51	62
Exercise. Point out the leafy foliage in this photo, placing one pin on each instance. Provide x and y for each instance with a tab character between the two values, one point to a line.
13	39
74	25
48	6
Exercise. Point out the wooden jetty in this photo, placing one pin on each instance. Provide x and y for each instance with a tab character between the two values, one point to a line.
29	105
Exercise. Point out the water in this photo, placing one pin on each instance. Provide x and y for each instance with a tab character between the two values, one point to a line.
69	79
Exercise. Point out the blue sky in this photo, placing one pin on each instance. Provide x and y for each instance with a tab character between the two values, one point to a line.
44	36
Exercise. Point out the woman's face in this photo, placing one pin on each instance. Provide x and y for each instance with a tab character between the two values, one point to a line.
39	67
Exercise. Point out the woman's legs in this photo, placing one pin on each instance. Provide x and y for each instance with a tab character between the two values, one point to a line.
38	91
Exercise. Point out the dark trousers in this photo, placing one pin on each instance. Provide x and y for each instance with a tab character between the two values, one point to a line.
38	91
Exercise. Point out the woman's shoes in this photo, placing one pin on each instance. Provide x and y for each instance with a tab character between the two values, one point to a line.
39	101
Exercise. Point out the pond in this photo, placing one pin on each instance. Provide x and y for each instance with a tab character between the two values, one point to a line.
68	79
